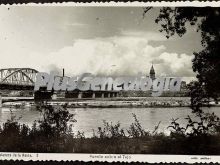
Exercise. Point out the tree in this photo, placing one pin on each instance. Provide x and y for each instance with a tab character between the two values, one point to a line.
206	63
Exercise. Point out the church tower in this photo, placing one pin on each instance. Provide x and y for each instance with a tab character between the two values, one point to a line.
152	72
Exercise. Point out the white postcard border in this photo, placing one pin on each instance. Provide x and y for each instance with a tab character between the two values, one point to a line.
146	158
115	157
126	4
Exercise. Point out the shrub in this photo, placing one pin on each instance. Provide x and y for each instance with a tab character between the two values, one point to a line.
51	134
135	130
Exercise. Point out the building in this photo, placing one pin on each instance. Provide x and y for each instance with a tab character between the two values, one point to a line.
152	73
183	88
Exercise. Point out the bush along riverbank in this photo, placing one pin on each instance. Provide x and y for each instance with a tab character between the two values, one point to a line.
53	133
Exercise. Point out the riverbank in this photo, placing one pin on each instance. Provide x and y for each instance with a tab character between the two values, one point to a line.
120	102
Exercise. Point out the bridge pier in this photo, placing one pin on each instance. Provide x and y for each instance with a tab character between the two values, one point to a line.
80	95
54	96
116	94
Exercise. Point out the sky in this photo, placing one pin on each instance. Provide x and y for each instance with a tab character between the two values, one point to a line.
99	40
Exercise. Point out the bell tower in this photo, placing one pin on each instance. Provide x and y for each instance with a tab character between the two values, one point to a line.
152	72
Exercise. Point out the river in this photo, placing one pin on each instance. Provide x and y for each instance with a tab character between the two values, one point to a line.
92	118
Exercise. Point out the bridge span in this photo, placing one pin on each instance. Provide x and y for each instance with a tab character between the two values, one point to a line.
17	78
23	79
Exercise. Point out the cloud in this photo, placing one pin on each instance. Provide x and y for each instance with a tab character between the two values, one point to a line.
151	36
56	70
128	55
77	24
176	64
120	55
125	54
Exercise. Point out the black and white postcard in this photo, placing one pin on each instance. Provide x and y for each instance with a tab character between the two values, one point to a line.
128	82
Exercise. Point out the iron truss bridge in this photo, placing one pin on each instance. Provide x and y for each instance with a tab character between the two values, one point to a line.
17	78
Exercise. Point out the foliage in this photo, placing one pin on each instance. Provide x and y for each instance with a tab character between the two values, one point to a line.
206	62
208	124
56	119
110	131
135	130
51	134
